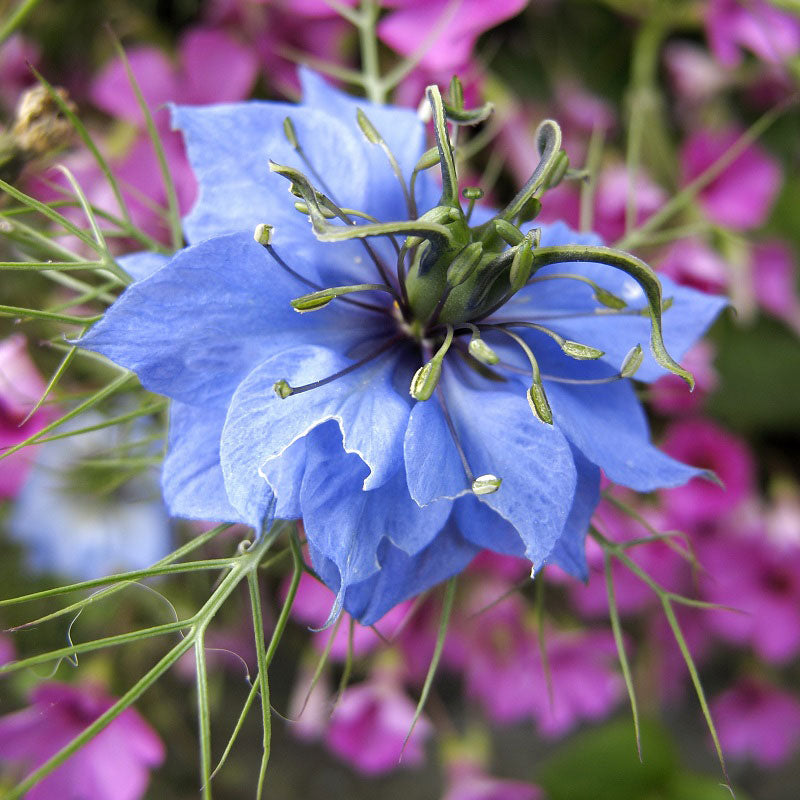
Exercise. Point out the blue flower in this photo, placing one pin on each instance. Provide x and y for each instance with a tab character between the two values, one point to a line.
470	402
74	522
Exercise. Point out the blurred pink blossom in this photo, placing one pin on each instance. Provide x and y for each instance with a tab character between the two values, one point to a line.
114	765
370	724
585	682
774	272
695	76
466	781
755	25
691	262
16	54
704	444
610	202
7	652
309	707
21	386
312	606
761	580
408	22
741	197
669	395
758	721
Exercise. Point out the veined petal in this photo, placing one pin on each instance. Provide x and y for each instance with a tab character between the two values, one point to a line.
191	477
487	529
371	415
607	424
401	575
500	436
346	524
195	328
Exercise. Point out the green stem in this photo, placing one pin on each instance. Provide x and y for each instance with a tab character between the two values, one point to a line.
368	40
16	18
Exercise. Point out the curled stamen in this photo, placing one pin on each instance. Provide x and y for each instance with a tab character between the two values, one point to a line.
472	194
283	389
477	348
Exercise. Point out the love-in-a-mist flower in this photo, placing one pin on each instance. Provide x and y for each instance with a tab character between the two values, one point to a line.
454	379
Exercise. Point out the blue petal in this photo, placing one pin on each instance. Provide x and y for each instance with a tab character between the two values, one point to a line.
487	529
684	322
191	478
230	145
401	128
569	552
500	436
401	576
348	525
195	328
607	424
260	427
143	264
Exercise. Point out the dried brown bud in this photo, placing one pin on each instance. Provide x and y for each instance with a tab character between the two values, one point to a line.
40	126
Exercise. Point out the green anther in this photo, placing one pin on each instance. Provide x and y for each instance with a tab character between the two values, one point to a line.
472	193
263	234
486	484
282	389
430	158
426	379
464	264
609	300
367	128
582	352
537	400
313	301
482	352
290	133
321	298
509	233
521	266
530	210
632	362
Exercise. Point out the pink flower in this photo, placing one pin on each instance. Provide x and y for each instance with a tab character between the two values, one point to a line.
16	54
670	396
312	606
763	582
632	595
691	262
704	444
500	651
370	724
210	67
758	721
309	707
775	281
406	25
742	195
7	652
586	686
114	765
755	25
610	203
466	781
20	387
694	75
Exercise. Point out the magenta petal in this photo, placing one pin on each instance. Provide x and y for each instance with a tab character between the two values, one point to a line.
155	74
214	68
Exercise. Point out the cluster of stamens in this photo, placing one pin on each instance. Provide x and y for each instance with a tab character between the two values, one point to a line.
450	279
